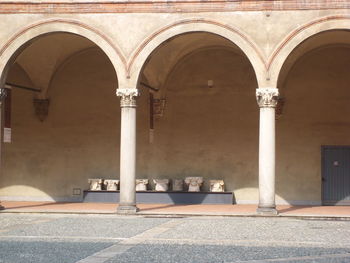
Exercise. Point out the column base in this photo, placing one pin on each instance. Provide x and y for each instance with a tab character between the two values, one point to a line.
267	211
127	209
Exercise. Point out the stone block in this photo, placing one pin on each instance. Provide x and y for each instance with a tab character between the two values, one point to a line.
141	184
111	185
178	184
194	183
95	184
162	185
217	185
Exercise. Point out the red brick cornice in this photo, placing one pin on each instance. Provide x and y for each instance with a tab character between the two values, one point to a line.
163	6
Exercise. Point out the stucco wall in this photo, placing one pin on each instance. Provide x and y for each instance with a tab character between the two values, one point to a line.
78	140
316	113
209	132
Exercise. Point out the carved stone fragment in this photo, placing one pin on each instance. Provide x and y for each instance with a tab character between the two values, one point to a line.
194	183
95	184
111	185
178	184
217	185
162	185
141	184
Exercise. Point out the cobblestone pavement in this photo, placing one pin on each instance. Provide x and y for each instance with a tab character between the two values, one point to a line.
86	238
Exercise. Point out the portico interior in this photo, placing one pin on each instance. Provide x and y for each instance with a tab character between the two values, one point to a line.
314	86
51	156
209	126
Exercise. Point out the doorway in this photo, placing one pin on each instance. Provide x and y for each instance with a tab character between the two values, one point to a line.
336	175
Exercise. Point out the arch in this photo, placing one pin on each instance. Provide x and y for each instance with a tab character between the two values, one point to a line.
298	36
236	36
23	36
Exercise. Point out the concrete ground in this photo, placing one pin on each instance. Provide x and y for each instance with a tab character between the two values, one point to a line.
342	212
110	238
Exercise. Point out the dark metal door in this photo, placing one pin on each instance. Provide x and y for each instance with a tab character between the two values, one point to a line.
336	175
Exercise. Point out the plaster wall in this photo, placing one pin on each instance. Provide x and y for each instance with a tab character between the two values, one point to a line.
316	113
209	132
78	140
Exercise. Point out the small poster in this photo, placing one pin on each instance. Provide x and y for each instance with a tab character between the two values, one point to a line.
7	135
7	116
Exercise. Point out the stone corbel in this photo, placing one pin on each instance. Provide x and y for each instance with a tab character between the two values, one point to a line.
41	107
128	97
267	97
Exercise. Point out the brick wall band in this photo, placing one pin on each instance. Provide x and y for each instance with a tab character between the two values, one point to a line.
160	6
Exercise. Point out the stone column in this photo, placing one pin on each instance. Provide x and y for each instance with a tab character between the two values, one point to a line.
2	99
127	203
267	101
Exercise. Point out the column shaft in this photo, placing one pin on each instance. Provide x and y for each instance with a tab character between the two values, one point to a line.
127	202
267	158
267	100
128	157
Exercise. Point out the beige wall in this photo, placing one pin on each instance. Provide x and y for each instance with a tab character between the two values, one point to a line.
209	132
78	140
316	113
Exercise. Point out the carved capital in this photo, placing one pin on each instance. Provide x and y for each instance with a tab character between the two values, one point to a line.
267	97
128	97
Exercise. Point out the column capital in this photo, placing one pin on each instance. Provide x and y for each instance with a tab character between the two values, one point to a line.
128	97
267	97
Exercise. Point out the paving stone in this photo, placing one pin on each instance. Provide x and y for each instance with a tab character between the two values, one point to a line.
47	252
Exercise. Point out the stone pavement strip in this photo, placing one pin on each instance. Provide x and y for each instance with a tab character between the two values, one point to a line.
87	238
123	246
342	256
168	209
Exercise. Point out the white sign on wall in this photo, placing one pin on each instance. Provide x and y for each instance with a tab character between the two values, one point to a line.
7	134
